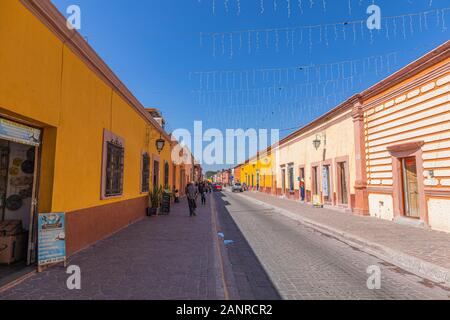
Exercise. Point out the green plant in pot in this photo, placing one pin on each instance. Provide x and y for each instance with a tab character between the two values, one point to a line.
154	198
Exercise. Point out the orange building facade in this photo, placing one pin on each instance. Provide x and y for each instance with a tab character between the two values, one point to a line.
402	128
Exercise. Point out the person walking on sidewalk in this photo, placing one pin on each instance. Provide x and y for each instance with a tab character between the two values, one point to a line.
191	194
202	191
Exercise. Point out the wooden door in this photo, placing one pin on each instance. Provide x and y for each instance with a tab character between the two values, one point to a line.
343	183
410	187
315	181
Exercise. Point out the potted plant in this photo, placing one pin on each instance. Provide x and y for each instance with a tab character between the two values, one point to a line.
154	198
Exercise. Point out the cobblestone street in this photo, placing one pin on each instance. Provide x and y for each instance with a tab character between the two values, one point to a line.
305	264
428	255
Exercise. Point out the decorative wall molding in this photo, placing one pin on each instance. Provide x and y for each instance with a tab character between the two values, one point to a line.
428	60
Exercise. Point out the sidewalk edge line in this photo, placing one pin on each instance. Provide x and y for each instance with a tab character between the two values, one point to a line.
18	281
218	249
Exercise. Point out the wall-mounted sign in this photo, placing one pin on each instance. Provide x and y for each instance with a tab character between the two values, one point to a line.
20	133
325	181
51	238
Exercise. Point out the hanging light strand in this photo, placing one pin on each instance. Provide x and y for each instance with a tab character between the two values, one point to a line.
320	34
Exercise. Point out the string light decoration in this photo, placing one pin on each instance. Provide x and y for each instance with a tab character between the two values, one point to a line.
275	115
393	27
317	73
284	106
258	96
274	6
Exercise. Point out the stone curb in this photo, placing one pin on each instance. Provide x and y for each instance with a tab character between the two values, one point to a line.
410	263
222	259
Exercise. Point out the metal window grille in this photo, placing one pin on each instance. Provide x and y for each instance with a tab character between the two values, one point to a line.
145	182
114	170
166	175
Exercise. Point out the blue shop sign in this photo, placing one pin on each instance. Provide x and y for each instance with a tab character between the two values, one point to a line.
19	133
51	238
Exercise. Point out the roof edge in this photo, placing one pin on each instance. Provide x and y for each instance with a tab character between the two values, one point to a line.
50	16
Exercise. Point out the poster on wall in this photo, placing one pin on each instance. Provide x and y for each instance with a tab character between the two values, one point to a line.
19	133
325	180
51	238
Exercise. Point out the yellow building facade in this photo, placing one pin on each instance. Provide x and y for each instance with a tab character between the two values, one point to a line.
257	173
54	82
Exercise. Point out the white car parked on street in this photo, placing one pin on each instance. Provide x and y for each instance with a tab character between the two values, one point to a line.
237	187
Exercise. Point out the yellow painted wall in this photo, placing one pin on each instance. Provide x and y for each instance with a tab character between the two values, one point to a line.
44	82
265	165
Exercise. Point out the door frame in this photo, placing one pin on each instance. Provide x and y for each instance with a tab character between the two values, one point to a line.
283	180
399	152
34	212
32	245
288	168
156	173
316	179
346	161
329	163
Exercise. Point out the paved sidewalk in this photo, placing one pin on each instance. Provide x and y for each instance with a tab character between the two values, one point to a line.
164	257
423	252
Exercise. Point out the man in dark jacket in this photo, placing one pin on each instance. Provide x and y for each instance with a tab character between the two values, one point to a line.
202	191
191	194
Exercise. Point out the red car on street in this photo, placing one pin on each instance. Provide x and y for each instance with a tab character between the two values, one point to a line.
217	187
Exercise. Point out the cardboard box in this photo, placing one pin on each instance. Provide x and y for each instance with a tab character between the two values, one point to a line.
13	248
10	227
317	201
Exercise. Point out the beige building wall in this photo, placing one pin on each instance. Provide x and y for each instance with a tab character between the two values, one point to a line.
337	144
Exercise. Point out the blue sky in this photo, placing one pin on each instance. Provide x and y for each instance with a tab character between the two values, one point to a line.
154	46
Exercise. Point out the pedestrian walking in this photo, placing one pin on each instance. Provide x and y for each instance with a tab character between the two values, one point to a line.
191	195
202	191
302	189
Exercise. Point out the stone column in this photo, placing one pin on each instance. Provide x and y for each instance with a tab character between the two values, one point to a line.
361	194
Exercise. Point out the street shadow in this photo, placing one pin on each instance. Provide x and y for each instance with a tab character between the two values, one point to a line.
252	281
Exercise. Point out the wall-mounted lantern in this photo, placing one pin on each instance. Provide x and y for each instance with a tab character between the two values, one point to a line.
160	144
317	142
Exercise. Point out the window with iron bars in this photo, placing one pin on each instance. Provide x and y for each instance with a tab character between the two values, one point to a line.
145	182
114	170
166	175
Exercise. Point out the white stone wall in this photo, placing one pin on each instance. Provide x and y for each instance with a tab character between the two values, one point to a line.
439	214
381	206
